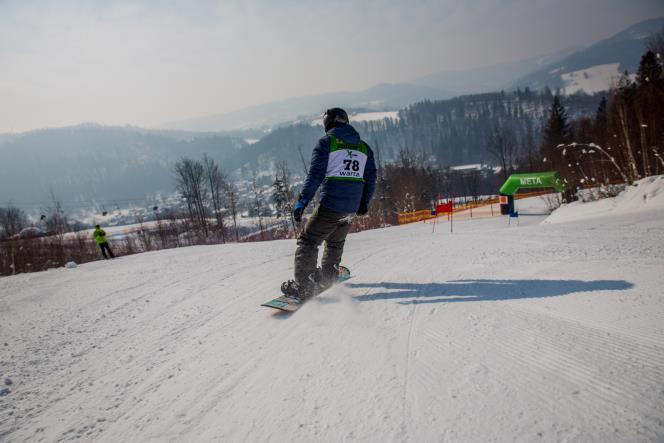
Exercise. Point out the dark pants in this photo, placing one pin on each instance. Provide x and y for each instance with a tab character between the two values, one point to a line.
330	227
104	247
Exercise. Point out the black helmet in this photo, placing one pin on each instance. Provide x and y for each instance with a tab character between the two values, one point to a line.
334	117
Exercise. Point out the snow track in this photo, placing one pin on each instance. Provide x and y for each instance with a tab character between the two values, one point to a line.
551	332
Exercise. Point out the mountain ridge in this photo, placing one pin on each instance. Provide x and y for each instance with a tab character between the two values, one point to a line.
624	48
380	97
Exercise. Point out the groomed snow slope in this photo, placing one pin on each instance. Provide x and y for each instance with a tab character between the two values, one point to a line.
644	196
541	332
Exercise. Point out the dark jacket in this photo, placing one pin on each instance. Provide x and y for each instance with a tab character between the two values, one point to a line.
337	195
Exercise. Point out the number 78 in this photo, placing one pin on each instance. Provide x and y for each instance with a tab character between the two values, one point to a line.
354	164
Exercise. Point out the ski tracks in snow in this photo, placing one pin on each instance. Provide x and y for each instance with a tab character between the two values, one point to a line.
512	334
405	411
91	355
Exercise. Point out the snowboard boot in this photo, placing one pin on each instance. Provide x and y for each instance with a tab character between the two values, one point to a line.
292	290
326	277
318	281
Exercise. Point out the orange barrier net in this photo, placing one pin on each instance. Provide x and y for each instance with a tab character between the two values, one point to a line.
412	217
485	206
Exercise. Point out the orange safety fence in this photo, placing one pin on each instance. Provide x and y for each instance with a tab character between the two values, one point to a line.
426	214
412	217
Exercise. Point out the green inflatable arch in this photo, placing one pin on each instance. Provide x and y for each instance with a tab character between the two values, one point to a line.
532	180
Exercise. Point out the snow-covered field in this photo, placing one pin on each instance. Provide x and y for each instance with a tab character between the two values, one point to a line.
594	79
536	332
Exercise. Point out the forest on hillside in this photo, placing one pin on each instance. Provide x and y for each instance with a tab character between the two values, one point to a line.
445	132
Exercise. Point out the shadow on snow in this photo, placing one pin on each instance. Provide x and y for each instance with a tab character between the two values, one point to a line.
483	290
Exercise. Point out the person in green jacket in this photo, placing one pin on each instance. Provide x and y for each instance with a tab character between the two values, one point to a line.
100	237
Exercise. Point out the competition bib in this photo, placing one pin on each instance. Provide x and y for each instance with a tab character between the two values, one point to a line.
347	160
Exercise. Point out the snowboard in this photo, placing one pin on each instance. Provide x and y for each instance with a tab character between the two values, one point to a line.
289	304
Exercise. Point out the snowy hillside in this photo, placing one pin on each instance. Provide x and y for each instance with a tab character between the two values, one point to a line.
591	80
594	68
89	163
535	332
645	196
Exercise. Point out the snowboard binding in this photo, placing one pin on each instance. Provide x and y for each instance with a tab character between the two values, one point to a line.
318	281
294	295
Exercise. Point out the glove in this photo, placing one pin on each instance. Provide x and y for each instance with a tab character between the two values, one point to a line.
363	209
298	210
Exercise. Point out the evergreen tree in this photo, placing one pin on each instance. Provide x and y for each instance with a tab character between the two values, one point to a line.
600	114
556	132
649	96
282	192
656	44
650	71
600	128
278	196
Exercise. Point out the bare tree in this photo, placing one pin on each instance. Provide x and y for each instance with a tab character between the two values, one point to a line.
471	183
231	192
406	182
304	162
56	221
590	148
216	182
283	192
528	148
621	105
190	179
12	220
502	147
382	208
257	202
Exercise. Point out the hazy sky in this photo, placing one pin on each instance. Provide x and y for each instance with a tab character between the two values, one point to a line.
150	62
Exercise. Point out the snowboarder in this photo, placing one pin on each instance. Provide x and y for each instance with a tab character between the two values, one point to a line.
345	167
100	237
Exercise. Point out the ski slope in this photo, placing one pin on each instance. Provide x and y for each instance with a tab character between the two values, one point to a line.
536	332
